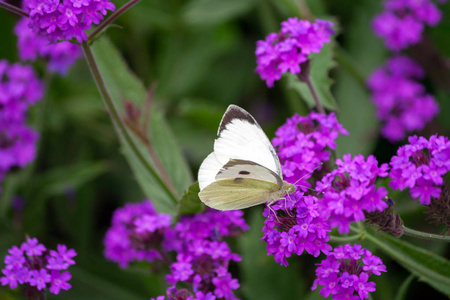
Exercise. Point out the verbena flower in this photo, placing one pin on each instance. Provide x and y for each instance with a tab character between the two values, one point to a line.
350	190
285	51
295	226
35	267
202	257
345	273
19	88
302	144
66	19
137	233
400	100
31	45
421	166
403	21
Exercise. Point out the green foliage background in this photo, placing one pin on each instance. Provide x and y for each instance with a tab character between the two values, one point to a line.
201	54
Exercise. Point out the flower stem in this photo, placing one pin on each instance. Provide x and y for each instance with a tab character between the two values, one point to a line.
93	35
345	239
118	121
319	106
424	235
14	9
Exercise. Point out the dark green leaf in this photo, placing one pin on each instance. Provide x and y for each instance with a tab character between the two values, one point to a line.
426	265
123	85
264	278
190	203
356	112
208	12
321	64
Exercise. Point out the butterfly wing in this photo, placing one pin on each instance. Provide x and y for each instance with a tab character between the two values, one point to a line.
237	193
239	137
236	168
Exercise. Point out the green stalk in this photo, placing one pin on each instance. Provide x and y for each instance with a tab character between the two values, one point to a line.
424	235
14	9
117	121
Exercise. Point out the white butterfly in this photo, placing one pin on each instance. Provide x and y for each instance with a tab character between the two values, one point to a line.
243	170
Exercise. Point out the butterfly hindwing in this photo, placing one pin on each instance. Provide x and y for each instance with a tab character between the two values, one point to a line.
237	193
236	168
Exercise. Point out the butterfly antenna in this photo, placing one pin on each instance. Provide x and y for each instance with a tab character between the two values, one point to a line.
309	173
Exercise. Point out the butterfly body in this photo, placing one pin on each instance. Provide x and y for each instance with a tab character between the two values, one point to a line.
244	169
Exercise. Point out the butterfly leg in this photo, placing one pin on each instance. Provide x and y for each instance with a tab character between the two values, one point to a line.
269	206
285	205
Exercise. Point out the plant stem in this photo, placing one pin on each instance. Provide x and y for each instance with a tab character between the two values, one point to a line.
424	235
319	106
347	62
110	19
118	121
14	9
345	239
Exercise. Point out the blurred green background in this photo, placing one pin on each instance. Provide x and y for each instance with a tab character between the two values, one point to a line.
201	55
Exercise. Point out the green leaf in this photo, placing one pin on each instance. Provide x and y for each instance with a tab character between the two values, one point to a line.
124	85
401	294
321	64
356	111
427	266
263	278
209	12
190	203
56	181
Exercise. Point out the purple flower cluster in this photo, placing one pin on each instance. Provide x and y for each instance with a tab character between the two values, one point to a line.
37	268
301	144
66	19
60	56
19	88
139	233
421	166
285	51
401	101
203	257
293	226
343	276
350	190
403	21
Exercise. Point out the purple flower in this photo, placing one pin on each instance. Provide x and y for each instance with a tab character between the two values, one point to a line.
139	233
342	275
295	228
400	101
421	166
66	19
224	286
59	282
39	279
302	144
32	247
59	56
31	265
285	51
402	22
19	88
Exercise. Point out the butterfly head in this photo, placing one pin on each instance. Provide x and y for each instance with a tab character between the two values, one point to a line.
288	188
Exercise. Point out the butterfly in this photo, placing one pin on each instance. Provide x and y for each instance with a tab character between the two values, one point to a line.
244	169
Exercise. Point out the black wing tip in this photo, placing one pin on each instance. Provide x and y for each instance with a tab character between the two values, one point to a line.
235	112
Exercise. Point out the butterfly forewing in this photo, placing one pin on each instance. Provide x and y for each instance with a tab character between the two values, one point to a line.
237	193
